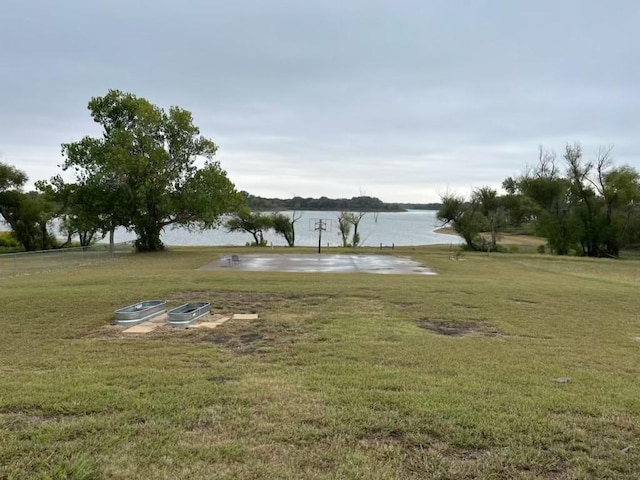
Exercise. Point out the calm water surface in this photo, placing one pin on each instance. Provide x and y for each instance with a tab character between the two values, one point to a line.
414	227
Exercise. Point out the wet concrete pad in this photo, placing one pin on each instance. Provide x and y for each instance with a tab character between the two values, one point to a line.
326	263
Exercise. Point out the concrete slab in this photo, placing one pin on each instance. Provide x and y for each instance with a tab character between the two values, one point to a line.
326	263
245	316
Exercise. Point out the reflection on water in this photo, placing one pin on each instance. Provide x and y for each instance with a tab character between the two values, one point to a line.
414	227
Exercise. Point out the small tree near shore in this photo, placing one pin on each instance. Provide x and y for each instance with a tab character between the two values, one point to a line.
285	226
254	223
346	220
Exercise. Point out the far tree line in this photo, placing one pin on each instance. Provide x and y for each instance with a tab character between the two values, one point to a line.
362	203
580	206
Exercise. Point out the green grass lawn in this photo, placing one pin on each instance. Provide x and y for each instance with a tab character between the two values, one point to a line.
342	376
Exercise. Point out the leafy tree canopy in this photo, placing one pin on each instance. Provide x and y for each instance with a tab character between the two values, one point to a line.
285	225
593	209
11	178
250	222
26	213
144	172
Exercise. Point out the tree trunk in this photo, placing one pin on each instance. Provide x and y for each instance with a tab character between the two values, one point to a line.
111	235
257	237
493	234
292	235
148	237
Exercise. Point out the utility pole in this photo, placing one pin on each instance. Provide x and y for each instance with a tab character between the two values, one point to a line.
320	227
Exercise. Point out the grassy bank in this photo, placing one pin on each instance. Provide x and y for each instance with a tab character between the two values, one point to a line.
342	376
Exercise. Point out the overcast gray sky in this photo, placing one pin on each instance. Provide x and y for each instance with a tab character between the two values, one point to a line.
399	99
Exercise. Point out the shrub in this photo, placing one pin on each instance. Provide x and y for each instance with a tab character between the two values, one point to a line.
8	240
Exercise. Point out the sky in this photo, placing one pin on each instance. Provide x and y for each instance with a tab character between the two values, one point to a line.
404	100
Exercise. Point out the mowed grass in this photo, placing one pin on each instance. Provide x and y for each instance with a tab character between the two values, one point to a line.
342	376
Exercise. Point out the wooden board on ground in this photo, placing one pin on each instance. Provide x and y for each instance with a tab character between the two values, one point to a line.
208	321
145	327
212	321
245	316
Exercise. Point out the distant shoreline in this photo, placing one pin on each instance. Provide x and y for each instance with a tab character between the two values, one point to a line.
362	203
446	231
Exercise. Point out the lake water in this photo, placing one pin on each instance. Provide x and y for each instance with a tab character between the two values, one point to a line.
414	227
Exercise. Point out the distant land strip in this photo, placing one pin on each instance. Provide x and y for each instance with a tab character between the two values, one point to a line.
359	204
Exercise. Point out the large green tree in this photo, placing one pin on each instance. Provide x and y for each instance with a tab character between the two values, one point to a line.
592	210
621	191
605	198
144	173
554	217
28	214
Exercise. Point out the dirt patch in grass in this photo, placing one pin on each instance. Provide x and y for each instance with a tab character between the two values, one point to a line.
464	328
256	337
282	322
246	302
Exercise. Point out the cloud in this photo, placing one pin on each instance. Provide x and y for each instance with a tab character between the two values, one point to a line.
402	99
